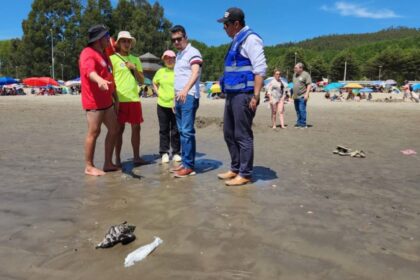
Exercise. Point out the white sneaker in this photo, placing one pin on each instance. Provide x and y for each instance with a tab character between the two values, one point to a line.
165	158
177	158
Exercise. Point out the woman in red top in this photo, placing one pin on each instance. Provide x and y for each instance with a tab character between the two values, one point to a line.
98	97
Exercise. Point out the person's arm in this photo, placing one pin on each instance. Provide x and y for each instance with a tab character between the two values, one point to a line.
308	87
195	68
102	83
258	84
253	48
137	74
156	87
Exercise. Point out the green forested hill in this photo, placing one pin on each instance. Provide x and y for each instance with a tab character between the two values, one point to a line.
396	51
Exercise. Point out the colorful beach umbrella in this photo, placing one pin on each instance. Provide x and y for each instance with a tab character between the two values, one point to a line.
7	81
333	86
390	82
416	87
40	82
366	90
353	85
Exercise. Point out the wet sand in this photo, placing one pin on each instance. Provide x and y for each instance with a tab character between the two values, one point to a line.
308	215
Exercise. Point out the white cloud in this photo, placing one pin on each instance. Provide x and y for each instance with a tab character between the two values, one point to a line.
356	10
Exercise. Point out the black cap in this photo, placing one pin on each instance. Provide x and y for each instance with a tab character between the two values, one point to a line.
96	32
232	15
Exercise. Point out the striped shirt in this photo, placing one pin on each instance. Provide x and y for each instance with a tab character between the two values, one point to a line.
184	60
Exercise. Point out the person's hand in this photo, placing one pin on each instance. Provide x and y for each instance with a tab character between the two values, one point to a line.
306	96
182	96
130	65
103	84
253	104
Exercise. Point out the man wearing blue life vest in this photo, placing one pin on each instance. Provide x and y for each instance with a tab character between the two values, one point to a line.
242	80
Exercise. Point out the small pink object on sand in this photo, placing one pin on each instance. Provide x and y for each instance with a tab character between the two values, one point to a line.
409	152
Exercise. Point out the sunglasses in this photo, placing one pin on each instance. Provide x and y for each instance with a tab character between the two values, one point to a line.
177	39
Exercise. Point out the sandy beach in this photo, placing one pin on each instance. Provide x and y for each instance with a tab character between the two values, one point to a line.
309	214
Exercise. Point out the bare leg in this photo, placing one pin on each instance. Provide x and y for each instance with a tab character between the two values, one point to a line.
94	120
110	121
273	114
135	141
280	110
118	144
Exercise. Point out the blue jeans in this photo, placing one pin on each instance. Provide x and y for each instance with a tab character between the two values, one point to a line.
300	107
185	119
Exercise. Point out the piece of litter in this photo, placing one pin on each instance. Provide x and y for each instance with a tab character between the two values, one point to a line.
142	252
274	186
408	152
119	233
310	212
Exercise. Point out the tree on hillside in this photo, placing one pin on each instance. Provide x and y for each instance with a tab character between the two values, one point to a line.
95	12
146	23
318	69
389	62
49	20
338	65
291	56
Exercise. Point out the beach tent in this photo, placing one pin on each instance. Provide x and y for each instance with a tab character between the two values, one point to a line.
366	90
353	85
7	81
40	82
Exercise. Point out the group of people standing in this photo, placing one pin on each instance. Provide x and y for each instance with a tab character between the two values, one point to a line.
110	97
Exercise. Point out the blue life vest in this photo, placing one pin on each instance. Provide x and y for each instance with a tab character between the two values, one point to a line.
238	76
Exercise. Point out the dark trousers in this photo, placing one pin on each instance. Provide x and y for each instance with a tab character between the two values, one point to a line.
237	129
168	131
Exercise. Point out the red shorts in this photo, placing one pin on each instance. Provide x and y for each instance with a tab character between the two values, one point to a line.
130	112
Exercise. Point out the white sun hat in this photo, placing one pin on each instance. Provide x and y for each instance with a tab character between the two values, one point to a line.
126	35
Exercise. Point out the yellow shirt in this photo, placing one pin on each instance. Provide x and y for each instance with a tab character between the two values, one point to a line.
127	87
165	79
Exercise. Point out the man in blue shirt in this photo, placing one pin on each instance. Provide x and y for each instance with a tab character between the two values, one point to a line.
243	78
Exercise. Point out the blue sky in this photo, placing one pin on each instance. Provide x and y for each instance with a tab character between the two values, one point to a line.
277	21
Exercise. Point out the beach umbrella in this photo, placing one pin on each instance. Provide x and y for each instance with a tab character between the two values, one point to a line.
74	82
215	88
378	83
353	85
390	82
7	81
40	82
333	86
268	80
416	87
366	90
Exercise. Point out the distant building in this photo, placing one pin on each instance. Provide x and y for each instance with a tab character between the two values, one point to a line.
150	64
